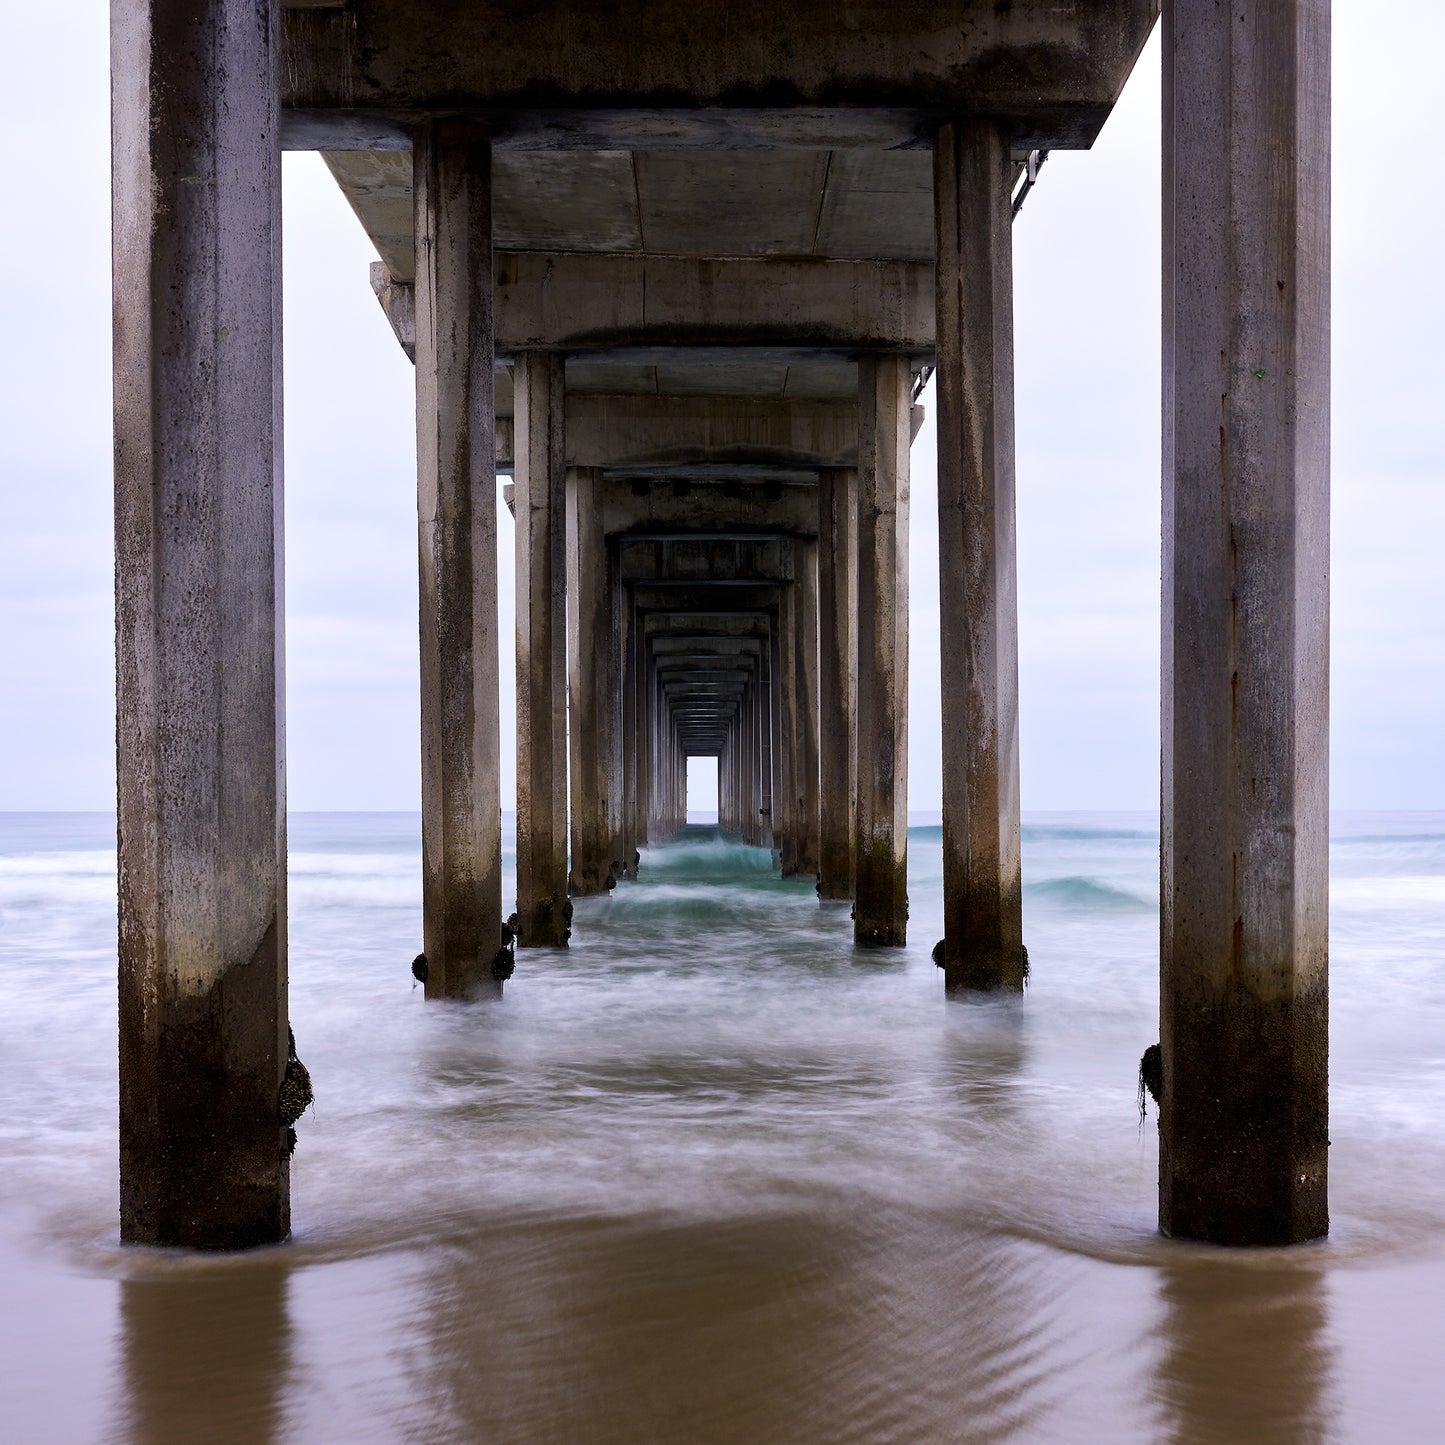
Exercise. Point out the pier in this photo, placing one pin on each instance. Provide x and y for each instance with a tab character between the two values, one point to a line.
679	272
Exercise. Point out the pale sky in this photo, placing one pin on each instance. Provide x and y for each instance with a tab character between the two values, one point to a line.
1087	309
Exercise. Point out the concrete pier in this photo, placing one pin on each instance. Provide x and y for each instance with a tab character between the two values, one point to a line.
782	796
837	679
543	912
805	660
977	570
591	686
630	646
792	846
748	276
201	742
880	906
1245	869
456	514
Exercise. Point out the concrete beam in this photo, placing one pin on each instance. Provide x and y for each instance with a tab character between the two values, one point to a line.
200	726
659	434
652	510
727	562
753	73
654	305
1244	1114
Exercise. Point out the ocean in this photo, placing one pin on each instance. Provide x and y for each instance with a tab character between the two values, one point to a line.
715	1175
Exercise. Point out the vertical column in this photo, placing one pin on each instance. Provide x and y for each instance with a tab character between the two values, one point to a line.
457	530
200	732
748	774
977	566
619	845
880	908
647	737
765	746
778	746
632	832
787	675
1245	826
805	658
590	689
837	678
543	910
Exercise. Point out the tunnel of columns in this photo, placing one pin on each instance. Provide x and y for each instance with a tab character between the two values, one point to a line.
680	273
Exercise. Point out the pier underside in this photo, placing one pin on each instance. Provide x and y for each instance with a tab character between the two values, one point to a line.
681	272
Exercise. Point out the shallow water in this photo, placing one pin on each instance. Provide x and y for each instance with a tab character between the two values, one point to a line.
715	1175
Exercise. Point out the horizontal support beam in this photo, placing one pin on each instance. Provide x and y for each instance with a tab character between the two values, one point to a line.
717	624
670	435
774	306
706	597
661	310
792	512
747	74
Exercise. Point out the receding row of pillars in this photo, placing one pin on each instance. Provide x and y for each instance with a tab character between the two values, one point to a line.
199	614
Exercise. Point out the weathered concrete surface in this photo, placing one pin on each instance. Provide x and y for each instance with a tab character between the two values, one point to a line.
658	435
805	659
782	783
837	679
633	835
563	74
623	304
456	510
855	204
1244	928
977	563
591	685
791	842
718	560
543	912
765	750
751	509
200	732
880	908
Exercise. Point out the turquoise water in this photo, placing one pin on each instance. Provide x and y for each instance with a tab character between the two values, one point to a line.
714	1174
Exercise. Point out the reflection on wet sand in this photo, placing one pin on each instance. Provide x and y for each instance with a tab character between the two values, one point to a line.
206	1354
805	1327
1245	1354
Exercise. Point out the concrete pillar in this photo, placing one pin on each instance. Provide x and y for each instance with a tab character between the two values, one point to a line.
543	911
647	722
790	820
1245	827
590	686
880	907
837	679
632	834
778	798
679	784
748	780
977	566
765	747
457	525
619	850
805	659
199	619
